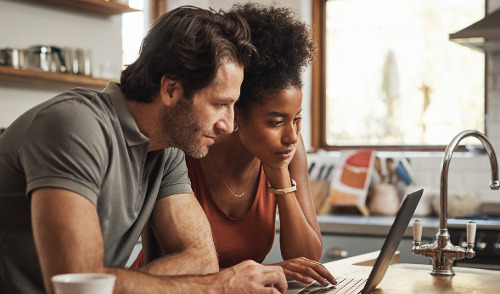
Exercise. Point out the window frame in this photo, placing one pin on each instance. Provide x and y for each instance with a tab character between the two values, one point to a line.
157	8
318	94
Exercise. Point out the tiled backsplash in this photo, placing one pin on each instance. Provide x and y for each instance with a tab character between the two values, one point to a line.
469	175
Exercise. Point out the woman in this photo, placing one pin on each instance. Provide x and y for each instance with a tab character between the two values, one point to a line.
261	166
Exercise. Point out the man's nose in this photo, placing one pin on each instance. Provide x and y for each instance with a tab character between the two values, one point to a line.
226	124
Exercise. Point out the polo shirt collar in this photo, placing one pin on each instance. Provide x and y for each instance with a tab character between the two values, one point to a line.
131	131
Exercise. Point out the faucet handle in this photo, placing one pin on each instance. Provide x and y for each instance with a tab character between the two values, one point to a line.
417	230
471	232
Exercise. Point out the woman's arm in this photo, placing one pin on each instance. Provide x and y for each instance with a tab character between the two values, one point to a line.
300	237
299	229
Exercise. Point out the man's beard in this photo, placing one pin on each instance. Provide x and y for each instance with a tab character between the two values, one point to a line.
183	128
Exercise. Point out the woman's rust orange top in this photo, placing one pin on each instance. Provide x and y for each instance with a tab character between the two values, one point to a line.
236	239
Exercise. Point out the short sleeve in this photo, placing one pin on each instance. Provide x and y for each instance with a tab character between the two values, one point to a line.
175	178
65	147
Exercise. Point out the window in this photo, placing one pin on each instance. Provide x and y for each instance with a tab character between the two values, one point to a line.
136	24
133	31
389	78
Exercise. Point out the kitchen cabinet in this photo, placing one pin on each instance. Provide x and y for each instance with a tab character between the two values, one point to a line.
337	246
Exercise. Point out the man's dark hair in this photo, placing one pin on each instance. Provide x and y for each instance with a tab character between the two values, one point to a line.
187	44
285	47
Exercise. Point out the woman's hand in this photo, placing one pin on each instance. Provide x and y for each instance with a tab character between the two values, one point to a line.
277	173
306	270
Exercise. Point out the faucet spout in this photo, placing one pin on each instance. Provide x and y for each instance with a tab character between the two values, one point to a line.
442	251
445	163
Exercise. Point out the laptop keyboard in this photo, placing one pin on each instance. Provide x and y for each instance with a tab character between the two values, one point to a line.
344	286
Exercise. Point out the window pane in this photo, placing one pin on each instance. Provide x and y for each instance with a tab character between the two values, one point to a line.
133	31
394	78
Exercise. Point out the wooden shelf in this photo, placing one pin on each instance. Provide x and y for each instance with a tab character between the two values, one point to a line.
54	79
50	78
101	7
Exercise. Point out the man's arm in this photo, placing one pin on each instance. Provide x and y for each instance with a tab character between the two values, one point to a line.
67	233
184	237
68	239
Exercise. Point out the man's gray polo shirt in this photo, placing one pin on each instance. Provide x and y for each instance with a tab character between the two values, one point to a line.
87	142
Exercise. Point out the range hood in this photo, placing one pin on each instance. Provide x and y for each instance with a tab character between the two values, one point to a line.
483	35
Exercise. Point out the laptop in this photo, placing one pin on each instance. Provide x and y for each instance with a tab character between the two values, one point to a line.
391	243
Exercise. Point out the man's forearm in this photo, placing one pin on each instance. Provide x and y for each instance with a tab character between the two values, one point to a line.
134	282
189	262
243	278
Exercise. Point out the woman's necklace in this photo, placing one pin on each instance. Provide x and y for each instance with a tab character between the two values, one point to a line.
225	184
246	187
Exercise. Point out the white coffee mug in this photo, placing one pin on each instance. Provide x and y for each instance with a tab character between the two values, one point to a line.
83	283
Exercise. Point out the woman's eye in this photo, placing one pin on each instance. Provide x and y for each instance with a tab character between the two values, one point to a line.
276	123
295	120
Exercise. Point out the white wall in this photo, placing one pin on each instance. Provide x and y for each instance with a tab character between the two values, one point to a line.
25	24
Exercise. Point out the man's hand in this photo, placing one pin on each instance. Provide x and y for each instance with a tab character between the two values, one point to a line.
302	270
251	277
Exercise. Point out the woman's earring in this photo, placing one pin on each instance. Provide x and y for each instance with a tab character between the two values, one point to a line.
236	127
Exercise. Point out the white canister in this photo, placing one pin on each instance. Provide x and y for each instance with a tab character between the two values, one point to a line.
385	200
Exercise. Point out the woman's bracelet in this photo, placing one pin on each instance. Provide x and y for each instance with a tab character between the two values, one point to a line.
293	188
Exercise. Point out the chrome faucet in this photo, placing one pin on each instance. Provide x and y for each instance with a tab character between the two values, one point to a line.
442	251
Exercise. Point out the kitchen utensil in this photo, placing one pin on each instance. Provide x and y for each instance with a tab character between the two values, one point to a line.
46	58
12	57
405	171
84	62
71	60
460	202
320	189
311	167
385	198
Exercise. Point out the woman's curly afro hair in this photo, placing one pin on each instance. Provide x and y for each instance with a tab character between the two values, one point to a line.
285	47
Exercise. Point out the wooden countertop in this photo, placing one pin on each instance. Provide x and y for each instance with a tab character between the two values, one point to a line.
399	280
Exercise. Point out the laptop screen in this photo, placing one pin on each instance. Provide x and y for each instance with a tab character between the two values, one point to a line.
391	243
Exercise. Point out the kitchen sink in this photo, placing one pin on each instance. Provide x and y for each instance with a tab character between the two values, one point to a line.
457	269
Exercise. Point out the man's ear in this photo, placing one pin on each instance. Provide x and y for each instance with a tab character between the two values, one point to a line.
170	91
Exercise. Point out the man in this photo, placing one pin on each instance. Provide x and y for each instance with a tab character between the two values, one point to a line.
81	174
